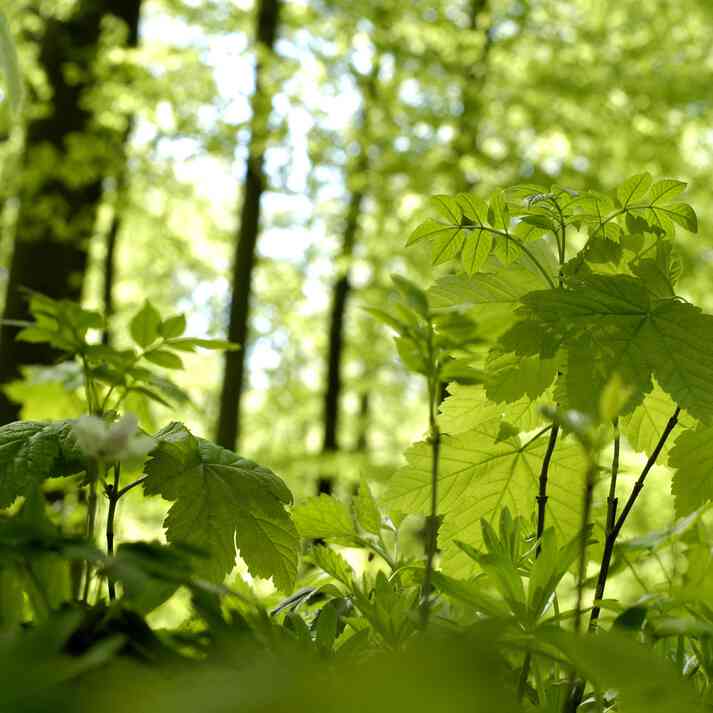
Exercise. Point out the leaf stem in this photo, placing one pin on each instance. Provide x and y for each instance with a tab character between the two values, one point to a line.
612	503
434	437
517	242
584	536
431	542
130	486
535	437
614	526
112	492
91	518
639	485
542	495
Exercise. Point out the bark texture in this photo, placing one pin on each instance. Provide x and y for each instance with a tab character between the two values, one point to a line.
58	208
229	422
342	286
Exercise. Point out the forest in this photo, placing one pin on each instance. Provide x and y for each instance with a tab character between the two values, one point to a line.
356	355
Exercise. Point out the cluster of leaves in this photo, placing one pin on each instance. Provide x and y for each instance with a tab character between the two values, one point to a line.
213	490
554	364
566	327
65	325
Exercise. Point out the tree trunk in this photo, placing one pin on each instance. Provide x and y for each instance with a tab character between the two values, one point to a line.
57	212
112	238
466	140
342	286
335	348
362	440
228	431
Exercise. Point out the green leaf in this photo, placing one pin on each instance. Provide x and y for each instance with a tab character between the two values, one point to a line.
550	567
160	383
164	358
412	295
473	594
173	326
468	407
645	682
473	207
678	343
666	190
324	517
31	451
612	320
634	188
680	213
367	511
12	599
498	284
448	207
144	325
498	213
151	395
476	250
447	239
333	564
692	457
221	499
325	626
643	426
150	572
479	476
613	398
188	343
9	66
511	377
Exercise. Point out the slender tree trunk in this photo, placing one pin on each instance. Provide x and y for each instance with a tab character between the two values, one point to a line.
109	272
466	140
362	440
342	286
112	238
57	212
228	430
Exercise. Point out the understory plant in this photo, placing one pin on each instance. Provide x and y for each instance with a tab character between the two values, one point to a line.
555	353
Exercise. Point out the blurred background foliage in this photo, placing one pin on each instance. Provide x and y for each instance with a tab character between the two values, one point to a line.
124	179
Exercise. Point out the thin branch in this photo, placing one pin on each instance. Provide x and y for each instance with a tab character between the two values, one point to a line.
540	433
612	503
112	493
130	486
91	517
639	485
614	528
586	513
431	542
542	495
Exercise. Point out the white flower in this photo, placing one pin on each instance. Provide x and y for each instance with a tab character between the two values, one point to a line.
112	441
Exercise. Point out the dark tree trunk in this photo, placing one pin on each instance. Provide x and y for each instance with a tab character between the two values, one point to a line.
342	286
109	265
467	138
337	315
112	237
228	431
362	440
56	217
